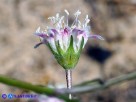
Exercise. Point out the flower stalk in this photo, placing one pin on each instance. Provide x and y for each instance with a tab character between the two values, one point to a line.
69	80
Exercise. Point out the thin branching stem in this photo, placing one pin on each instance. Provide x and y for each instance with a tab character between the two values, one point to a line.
89	87
75	90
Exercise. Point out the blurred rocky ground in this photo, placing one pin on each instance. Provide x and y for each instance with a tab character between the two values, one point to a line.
115	20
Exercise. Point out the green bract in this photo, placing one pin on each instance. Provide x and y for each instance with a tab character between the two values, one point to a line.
68	59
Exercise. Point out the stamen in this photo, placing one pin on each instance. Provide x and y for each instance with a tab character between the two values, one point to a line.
79	22
63	25
67	15
57	16
38	30
86	21
76	19
61	21
52	20
77	13
66	12
86	17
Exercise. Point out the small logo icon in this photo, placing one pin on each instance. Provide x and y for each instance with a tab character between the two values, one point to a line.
10	96
4	96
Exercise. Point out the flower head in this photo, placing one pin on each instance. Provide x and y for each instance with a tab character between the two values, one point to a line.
66	41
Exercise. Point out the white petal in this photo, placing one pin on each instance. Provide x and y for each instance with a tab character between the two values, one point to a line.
66	41
52	43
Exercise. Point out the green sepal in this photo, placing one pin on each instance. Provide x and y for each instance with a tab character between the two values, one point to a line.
69	59
60	51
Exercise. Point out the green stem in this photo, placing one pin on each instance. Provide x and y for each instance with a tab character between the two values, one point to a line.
25	85
34	88
90	82
76	90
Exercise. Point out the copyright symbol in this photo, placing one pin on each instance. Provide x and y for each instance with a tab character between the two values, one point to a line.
4	96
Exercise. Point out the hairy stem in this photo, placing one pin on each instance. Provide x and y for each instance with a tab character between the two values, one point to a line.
69	80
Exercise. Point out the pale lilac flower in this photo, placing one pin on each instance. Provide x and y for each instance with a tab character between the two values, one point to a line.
64	40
